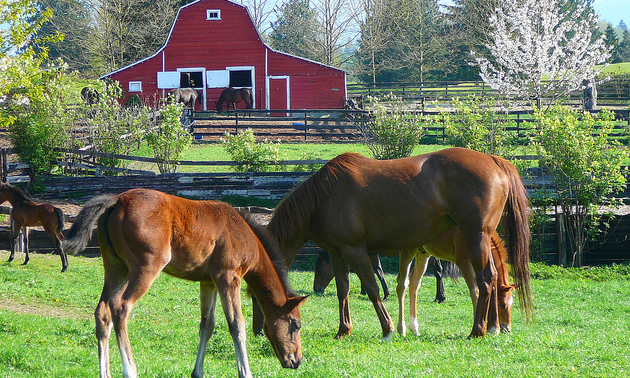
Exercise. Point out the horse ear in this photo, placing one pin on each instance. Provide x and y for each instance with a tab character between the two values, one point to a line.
507	288
294	302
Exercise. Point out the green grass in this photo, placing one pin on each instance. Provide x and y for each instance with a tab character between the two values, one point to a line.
47	329
616	68
288	151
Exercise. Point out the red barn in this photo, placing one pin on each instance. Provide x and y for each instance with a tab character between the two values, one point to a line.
214	44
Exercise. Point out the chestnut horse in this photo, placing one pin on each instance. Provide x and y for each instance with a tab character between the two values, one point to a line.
232	96
26	213
353	205
446	247
142	232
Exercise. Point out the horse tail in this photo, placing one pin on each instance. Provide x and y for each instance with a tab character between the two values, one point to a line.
450	270
60	220
81	231
516	225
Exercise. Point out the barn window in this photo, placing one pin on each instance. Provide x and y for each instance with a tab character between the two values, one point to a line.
191	80
135	86
213	14
241	78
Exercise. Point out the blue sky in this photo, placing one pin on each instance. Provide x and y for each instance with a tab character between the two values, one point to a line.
613	11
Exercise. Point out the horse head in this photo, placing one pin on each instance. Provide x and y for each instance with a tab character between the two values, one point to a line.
505	301
324	272
282	327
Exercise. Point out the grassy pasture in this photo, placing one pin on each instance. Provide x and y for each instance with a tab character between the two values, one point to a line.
582	329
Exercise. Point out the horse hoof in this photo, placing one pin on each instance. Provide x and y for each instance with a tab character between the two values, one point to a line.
25	262
10	259
493	331
64	269
387	338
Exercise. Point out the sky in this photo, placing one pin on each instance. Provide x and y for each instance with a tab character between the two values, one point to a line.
613	11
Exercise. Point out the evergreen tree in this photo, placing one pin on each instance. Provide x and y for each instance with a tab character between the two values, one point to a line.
294	29
612	42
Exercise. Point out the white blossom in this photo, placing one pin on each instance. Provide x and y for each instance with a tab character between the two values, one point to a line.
541	51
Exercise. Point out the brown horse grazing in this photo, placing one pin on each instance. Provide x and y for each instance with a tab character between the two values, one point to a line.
26	213
233	96
447	247
324	273
354	204
186	96
142	232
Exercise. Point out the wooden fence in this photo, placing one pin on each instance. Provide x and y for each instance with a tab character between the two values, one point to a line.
275	185
613	92
348	125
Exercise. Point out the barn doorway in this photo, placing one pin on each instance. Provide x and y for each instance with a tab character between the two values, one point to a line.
193	78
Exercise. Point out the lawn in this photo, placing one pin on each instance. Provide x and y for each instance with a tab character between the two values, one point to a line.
582	329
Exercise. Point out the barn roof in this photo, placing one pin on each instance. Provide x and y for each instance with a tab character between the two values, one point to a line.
228	1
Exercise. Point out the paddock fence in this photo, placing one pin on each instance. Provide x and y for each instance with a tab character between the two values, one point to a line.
549	242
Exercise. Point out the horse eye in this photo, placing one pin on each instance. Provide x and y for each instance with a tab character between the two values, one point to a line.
295	325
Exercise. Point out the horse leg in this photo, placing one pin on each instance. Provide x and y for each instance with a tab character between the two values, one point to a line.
422	261
25	234
258	318
378	270
363	268
439	281
56	236
402	283
15	234
342	272
139	280
229	287
114	283
485	277
208	299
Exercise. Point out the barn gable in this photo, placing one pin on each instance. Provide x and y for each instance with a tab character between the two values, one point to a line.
213	44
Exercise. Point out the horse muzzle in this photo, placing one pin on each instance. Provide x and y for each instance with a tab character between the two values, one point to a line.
291	362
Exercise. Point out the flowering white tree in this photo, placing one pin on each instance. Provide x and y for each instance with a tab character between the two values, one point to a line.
542	48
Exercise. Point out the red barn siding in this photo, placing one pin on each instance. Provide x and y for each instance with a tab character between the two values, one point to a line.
233	41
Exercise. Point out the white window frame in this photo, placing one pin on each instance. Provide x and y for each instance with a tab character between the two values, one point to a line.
210	14
135	86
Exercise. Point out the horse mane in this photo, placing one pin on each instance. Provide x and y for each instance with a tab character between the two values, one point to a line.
272	249
19	191
294	211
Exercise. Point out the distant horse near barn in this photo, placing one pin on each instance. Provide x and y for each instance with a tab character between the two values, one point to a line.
186	96
234	96
90	95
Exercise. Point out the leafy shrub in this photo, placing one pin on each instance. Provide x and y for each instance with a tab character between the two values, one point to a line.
585	166
250	155
480	126
168	138
392	132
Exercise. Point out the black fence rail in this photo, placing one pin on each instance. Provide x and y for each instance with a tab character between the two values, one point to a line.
612	92
349	125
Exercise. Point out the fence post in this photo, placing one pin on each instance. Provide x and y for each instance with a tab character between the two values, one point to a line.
236	119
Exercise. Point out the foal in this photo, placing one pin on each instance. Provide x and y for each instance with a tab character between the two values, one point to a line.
26	213
142	232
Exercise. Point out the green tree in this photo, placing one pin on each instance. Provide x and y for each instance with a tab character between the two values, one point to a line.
585	165
612	42
70	18
34	95
294	30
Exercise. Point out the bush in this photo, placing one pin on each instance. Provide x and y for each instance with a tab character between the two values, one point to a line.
392	132
250	155
586	168
168	138
480	126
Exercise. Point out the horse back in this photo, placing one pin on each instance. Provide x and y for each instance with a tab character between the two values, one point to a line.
194	240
